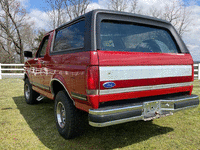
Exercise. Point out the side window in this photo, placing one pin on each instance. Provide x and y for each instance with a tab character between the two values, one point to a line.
42	48
71	37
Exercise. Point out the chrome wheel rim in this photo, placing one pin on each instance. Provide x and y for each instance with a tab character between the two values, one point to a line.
60	112
27	91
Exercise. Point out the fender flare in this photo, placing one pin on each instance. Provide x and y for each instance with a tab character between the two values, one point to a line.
52	92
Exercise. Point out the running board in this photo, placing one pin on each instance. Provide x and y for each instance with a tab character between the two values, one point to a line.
40	98
45	93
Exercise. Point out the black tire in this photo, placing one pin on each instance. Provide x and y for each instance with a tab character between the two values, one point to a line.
67	116
29	94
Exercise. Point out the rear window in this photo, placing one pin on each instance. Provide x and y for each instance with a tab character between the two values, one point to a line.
125	36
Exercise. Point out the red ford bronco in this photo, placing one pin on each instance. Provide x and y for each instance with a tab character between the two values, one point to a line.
116	66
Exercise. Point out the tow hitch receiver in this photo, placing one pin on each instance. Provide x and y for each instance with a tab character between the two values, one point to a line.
152	110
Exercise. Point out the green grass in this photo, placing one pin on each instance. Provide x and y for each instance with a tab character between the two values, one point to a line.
25	126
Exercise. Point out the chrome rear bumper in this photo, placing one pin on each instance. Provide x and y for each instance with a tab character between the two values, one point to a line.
144	111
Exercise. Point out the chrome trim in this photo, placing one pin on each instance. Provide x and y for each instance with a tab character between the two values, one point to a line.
95	30
39	98
41	85
112	111
184	108
79	96
172	102
92	92
52	42
27	91
182	99
161	108
63	86
109	123
61	114
143	88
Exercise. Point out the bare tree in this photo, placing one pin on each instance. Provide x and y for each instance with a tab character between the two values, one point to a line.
29	34
5	43
12	19
75	8
6	56
61	11
56	12
176	13
135	8
40	36
118	5
184	22
124	5
37	39
155	12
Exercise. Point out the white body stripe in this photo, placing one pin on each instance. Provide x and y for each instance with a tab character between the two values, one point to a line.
143	72
143	88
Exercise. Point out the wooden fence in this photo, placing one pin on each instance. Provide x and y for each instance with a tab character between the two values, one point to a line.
197	71
7	71
4	67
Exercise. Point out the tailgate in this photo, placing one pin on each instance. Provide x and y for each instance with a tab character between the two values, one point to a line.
126	75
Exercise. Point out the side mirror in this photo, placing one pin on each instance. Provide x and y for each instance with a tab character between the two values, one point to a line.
28	54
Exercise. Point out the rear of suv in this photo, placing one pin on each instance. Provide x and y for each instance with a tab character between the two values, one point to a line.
116	66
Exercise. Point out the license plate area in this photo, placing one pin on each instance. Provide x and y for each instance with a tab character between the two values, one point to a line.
151	109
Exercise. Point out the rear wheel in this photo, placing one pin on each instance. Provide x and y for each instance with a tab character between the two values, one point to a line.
67	116
29	94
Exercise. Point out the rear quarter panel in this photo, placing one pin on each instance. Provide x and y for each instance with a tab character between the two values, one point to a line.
71	70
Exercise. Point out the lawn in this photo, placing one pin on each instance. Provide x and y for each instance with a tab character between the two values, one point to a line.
25	126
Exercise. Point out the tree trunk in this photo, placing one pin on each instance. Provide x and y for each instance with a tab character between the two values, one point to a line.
21	58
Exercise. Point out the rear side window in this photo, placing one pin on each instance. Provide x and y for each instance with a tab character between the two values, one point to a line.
125	36
71	37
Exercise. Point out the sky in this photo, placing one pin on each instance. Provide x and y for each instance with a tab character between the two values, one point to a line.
40	4
36	10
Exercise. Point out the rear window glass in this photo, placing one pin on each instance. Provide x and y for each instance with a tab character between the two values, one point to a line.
125	36
71	37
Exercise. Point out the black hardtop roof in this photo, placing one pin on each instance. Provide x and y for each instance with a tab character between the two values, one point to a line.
128	14
96	11
92	16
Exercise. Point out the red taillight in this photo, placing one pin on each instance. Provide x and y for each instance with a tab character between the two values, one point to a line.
92	78
93	85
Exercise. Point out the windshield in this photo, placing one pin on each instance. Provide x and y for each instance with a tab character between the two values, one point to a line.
125	36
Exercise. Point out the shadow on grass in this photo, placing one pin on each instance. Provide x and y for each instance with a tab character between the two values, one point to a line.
40	119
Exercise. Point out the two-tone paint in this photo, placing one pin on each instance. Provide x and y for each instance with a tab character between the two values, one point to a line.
135	74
